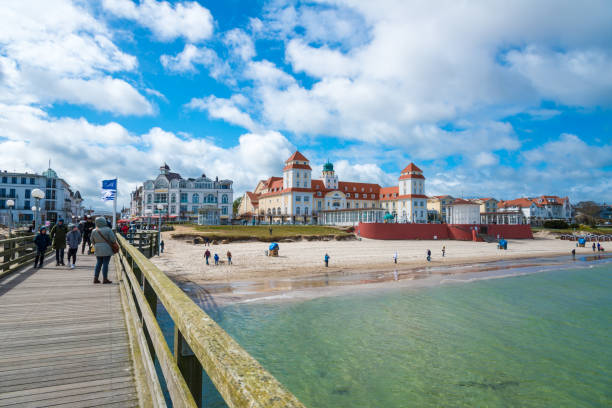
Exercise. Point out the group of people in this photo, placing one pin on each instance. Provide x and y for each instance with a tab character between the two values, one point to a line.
61	236
427	255
216	257
598	247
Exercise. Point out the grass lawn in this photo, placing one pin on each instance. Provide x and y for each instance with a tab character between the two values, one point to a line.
260	231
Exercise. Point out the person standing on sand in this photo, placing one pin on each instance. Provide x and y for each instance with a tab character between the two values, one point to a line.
574	253
593	247
326	259
229	257
216	259
598	247
428	255
207	256
395	257
443	251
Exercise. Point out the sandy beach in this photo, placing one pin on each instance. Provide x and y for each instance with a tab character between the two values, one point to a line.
184	261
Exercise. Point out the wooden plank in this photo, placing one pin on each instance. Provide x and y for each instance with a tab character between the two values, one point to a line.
63	340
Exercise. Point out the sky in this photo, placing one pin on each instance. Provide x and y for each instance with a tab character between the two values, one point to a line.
489	98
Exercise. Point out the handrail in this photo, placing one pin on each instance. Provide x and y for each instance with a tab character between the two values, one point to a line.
16	253
199	342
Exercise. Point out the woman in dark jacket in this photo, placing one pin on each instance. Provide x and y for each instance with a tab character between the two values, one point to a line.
100	238
42	242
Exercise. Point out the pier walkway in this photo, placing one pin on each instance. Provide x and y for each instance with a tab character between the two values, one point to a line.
63	340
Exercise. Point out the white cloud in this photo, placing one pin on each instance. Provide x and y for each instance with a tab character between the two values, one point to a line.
571	152
485	159
187	19
186	61
240	44
226	109
58	52
319	62
85	153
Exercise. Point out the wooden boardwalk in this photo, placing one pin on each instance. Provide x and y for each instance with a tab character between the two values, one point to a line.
63	340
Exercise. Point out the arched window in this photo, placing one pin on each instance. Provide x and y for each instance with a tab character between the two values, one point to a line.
149	198
210	198
305	210
224	199
274	211
195	198
297	210
269	211
278	211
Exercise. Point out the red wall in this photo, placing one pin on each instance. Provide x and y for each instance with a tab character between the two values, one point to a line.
442	231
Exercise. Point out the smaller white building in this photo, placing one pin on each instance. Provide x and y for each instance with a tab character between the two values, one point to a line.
464	212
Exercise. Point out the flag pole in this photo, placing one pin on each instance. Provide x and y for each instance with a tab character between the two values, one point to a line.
115	204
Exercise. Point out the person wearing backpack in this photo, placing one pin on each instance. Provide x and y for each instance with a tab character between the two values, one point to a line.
105	244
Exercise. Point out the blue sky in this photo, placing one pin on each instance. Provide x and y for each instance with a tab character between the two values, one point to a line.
488	98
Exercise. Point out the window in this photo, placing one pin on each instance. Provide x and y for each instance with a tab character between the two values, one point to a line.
149	198
224	210
297	210
298	198
211	199
14	180
173	199
183	199
5	180
194	209
348	195
348	205
319	193
173	209
319	204
23	180
27	193
298	183
356	204
305	210
195	198
306	199
356	195
373	195
224	199
32	180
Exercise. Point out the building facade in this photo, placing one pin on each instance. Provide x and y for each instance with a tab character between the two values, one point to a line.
464	212
298	198
539	209
185	199
438	205
60	201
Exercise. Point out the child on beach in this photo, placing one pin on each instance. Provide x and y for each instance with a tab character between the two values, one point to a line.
73	239
229	257
216	259
207	256
593	247
443	251
326	259
428	255
395	257
42	242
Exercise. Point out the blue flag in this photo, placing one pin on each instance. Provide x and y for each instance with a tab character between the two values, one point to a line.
108	195
109	184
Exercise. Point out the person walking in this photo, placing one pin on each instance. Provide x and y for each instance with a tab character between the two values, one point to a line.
73	239
443	251
216	259
593	247
88	226
428	255
207	256
229	257
598	247
58	238
162	245
326	259
395	257
124	230
102	237
42	242
574	253
270	231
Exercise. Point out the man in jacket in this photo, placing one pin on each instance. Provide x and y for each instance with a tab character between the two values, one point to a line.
42	242
73	239
58	236
101	238
88	226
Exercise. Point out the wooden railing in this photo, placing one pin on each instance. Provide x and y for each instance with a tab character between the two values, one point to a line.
15	253
199	344
145	241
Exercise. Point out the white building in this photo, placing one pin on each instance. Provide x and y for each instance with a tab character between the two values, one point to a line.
539	209
464	212
59	201
407	202
198	199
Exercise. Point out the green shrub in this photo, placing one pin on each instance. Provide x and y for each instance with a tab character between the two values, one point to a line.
556	224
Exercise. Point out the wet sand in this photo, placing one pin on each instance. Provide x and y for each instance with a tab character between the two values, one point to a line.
354	265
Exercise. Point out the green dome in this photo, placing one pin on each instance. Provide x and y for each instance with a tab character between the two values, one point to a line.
50	173
328	167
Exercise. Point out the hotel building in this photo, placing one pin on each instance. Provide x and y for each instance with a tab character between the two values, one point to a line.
207	201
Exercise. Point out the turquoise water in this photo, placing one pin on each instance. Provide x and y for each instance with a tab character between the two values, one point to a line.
539	340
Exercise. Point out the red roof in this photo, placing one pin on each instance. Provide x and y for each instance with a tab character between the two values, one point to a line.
519	202
297	166
296	156
319	184
253	197
389	193
461	201
411	167
350	187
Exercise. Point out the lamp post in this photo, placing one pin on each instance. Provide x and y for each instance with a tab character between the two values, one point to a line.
10	204
160	208
38	195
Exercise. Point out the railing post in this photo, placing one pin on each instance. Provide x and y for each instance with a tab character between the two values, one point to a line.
189	365
7	254
151	298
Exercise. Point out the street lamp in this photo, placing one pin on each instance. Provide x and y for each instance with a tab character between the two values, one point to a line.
10	204
38	195
160	208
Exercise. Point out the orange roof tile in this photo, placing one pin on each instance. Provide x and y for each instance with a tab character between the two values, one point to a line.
296	156
411	167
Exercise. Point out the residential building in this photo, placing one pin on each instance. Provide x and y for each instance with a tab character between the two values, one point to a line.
198	199
539	209
438	205
606	212
487	205
298	198
464	212
136	202
59	202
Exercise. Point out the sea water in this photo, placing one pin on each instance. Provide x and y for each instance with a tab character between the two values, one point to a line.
538	340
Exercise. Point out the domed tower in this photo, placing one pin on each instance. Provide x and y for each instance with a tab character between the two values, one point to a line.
165	169
330	180
296	173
